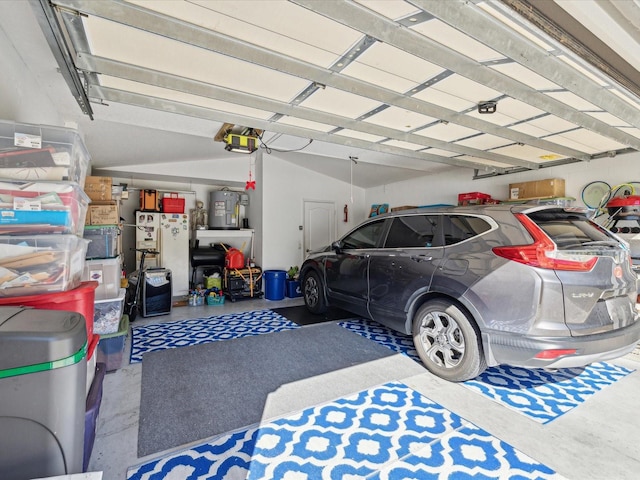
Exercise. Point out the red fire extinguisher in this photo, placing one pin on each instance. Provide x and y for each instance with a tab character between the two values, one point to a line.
346	213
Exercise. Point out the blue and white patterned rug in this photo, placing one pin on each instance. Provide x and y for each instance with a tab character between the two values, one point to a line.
538	394
545	395
389	431
183	333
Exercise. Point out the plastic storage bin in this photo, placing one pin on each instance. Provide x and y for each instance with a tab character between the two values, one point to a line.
43	374
107	314
42	207
94	400
79	300
172	204
293	289
37	264
60	155
107	272
111	346
103	241
274	284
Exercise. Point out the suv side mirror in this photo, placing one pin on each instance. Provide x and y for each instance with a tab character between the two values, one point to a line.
336	246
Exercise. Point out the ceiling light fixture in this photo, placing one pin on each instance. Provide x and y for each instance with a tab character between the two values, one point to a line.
489	106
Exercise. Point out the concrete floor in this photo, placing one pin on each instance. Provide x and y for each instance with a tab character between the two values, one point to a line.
596	440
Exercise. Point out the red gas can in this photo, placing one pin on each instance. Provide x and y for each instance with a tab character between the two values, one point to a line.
234	259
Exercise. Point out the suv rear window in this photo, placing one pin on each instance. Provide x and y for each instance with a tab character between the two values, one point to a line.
569	230
458	228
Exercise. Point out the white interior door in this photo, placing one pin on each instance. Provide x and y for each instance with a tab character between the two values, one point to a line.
319	225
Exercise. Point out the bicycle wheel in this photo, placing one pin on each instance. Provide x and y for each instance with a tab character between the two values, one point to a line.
593	193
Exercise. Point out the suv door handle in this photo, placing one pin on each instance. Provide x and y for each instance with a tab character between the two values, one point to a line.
420	258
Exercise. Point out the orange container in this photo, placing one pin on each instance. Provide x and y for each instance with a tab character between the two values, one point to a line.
79	300
149	201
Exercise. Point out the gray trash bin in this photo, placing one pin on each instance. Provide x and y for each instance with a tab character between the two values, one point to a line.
43	375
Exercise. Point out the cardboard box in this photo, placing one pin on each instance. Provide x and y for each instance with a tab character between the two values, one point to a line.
107	214
98	188
549	188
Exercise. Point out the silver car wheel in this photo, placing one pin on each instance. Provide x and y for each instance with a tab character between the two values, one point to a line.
313	293
448	340
441	335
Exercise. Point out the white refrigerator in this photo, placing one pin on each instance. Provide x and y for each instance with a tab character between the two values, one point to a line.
168	233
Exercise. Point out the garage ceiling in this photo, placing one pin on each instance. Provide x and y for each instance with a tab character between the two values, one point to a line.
405	88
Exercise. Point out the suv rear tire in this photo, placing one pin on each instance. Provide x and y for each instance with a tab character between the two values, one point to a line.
448	341
313	293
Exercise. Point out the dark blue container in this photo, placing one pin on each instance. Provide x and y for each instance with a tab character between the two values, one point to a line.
274	284
293	289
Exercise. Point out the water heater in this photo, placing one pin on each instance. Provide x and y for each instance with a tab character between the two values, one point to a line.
224	210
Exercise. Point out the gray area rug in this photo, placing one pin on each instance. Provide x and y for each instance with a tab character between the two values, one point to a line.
196	392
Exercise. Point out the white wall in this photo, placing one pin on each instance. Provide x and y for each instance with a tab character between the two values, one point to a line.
285	187
444	188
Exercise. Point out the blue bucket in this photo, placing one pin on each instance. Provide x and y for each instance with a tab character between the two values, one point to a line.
274	284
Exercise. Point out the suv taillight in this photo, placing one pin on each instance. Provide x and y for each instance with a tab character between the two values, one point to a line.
542	253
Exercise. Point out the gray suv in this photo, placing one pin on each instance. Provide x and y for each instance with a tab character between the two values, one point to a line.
524	285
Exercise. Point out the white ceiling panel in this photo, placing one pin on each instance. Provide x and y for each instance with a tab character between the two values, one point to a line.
573	101
340	103
447	132
484	142
490	164
444	99
406	145
278	24
393	9
527	152
390	67
137	47
508	111
299	122
378	77
592	140
399	119
462	87
456	40
525	75
545	125
632	131
440	152
360	135
517	110
609	119
158	92
383	80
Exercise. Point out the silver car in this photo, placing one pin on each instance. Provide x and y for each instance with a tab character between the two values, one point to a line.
525	285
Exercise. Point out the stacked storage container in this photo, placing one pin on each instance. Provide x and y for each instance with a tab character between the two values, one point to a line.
104	265
43	208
